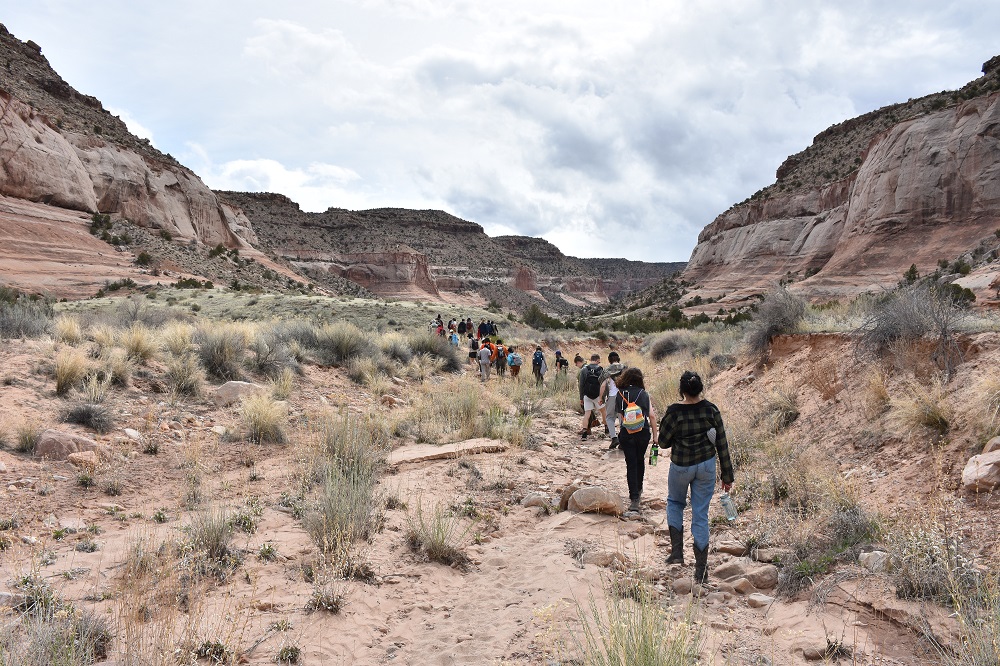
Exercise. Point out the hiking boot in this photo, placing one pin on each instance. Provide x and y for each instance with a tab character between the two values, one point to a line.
614	443
676	546
584	433
701	565
634	506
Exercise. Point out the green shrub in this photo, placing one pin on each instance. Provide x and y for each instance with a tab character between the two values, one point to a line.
437	347
94	416
437	536
221	350
338	343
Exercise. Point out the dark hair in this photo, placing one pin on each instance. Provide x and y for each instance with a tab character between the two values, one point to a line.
578	359
595	357
613	357
691	384
631	377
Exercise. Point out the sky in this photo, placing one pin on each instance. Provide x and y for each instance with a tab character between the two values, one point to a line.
612	129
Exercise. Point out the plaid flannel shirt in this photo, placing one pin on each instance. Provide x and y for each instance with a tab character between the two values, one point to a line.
684	430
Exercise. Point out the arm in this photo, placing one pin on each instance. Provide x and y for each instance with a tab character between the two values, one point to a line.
579	381
722	449
665	431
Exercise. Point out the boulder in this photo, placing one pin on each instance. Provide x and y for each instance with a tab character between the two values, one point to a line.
770	555
231	392
731	570
84	460
536	499
982	472
134	435
58	445
743	586
764	577
682	585
876	561
567	493
758	600
594	499
731	548
992	445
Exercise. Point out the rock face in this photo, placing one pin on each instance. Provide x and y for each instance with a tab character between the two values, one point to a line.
982	472
926	188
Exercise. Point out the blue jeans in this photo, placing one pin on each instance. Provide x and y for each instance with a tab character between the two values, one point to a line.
701	479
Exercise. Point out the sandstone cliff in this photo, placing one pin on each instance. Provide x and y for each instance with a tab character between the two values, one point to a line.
922	188
62	148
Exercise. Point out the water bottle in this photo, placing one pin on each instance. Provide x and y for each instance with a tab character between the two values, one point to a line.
654	455
728	505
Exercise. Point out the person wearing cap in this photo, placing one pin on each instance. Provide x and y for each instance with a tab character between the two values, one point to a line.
609	397
562	365
590	392
538	366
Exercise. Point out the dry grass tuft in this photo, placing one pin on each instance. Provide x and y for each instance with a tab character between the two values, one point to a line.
66	328
138	342
822	376
263	419
184	376
70	368
437	536
920	409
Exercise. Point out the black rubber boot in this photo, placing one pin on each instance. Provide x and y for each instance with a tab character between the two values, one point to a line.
700	565
676	546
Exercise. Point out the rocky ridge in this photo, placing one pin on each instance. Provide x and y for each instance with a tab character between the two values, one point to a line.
911	183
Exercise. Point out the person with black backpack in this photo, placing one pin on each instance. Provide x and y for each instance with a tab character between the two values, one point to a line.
538	365
590	390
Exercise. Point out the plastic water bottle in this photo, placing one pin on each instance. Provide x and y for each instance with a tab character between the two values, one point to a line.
654	455
728	505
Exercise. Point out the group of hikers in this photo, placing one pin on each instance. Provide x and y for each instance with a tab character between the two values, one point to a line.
692	429
615	397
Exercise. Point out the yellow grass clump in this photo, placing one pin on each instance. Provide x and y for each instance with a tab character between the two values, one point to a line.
70	368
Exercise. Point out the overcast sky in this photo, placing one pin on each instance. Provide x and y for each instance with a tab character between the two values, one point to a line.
609	128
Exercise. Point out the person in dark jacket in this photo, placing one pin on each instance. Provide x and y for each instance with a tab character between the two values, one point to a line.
632	388
693	431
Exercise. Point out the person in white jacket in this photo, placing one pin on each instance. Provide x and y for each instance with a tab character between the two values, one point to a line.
609	395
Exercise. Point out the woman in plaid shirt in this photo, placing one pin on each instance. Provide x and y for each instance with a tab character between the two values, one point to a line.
693	431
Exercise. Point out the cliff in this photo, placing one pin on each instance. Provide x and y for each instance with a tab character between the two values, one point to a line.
62	148
922	188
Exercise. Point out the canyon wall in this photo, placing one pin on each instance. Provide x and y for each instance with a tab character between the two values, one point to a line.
927	188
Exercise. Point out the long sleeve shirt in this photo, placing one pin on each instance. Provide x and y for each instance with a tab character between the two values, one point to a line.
684	430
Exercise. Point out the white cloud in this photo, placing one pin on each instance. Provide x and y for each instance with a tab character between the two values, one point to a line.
577	120
133	125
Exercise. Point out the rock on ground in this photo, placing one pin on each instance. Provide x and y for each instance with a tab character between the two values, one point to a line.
57	445
594	499
231	392
982	472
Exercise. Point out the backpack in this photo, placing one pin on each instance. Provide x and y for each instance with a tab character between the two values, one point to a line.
633	420
514	359
537	359
592	382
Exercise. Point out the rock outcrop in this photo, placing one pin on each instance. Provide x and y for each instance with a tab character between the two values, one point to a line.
926	188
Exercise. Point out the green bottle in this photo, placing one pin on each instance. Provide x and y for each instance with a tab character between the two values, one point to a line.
654	455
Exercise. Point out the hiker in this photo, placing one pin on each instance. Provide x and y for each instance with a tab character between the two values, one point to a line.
693	430
590	390
609	396
638	429
473	350
485	354
461	328
482	331
562	365
538	366
578	362
453	339
501	360
514	360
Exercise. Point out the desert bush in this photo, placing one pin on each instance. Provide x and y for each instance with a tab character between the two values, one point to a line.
338	343
184	376
635	631
138	342
437	347
66	328
103	335
135	310
437	536
822	376
97	417
355	444
28	433
281	387
269	355
211	534
23	318
876	395
929	564
221	350
395	346
177	338
328	595
62	636
978	612
95	388
921	408
778	314
263	419
344	510
118	366
70	368
779	409
666	345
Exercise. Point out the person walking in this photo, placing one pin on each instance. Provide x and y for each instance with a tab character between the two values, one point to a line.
609	397
514	360
538	365
692	429
473	350
485	362
638	429
562	365
501	360
589	383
